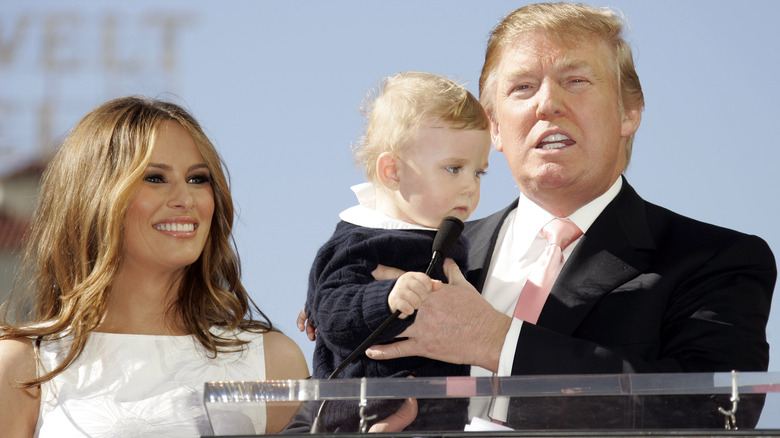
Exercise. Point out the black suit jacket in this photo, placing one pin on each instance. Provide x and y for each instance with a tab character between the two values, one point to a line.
646	290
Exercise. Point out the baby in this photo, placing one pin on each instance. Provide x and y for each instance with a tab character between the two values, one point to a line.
425	149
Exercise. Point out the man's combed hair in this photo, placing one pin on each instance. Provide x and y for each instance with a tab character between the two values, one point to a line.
75	245
569	24
400	106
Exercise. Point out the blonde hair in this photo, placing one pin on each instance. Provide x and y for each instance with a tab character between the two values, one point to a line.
400	106
75	245
569	24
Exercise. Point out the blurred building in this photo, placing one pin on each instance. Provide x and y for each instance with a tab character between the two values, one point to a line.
18	195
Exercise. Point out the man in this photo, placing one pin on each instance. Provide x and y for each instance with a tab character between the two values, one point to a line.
643	290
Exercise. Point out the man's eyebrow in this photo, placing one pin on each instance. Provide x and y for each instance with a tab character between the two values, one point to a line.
569	64
519	72
565	64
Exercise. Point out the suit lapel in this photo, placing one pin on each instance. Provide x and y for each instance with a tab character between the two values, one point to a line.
612	251
482	235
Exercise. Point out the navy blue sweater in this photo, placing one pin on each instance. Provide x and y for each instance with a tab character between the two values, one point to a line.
346	304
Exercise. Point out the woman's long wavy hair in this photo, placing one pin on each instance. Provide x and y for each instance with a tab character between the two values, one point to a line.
74	248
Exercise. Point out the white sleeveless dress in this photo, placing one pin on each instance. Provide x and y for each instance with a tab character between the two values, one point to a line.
142	386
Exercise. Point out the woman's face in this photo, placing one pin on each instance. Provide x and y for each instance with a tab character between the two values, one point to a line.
169	218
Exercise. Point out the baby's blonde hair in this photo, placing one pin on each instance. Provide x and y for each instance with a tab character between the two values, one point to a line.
400	106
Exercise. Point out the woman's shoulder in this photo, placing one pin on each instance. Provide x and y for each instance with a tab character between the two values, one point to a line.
283	360
283	357
17	364
17	356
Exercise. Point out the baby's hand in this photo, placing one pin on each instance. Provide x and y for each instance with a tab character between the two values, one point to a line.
409	292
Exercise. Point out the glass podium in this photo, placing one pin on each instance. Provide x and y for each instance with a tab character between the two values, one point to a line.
616	405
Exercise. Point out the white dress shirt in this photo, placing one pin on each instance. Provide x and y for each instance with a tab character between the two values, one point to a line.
518	248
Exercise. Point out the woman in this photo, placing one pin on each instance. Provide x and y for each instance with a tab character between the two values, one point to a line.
136	288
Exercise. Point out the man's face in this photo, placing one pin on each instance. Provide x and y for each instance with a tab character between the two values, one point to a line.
557	120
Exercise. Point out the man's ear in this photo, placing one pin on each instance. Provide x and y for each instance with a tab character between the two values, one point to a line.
387	170
495	133
631	119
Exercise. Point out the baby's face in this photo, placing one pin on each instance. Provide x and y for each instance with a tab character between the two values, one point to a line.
439	174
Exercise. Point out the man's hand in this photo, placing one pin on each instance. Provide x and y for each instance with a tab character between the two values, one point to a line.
304	325
454	324
399	419
383	272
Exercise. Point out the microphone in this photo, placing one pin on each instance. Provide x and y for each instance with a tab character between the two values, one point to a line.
443	242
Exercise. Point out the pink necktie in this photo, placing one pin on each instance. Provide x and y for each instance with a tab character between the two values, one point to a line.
559	233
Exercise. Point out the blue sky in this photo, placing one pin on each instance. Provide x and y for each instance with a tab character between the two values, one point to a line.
277	86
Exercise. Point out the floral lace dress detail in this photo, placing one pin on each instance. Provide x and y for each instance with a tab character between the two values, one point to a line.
142	385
